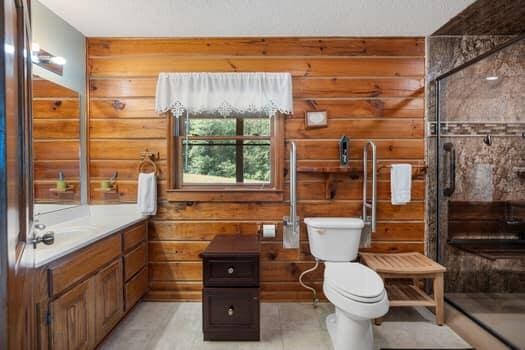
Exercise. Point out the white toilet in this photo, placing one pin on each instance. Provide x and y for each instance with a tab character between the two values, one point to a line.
357	292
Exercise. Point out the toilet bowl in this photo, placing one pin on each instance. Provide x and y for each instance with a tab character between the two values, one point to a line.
359	296
357	292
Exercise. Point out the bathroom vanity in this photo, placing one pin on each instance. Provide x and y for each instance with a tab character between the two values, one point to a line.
230	298
82	295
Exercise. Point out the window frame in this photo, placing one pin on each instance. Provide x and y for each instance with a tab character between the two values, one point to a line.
271	192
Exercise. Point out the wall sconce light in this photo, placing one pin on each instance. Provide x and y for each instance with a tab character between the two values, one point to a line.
47	60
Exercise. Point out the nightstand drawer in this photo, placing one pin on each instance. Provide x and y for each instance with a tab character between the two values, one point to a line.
235	272
231	313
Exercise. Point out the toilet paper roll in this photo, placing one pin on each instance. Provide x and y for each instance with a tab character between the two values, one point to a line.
268	231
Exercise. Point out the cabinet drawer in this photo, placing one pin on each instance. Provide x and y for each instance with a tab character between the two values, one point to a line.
135	260
72	269
231	313
136	288
235	272
134	235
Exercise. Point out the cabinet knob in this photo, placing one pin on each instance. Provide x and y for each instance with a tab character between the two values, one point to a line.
230	311
231	270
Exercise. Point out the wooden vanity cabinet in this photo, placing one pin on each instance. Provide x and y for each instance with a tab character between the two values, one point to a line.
89	291
73	323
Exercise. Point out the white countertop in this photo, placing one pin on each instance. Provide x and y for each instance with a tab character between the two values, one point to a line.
71	235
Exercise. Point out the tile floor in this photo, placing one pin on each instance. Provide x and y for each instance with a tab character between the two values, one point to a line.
503	312
284	326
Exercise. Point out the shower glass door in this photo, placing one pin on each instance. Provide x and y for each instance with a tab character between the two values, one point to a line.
481	190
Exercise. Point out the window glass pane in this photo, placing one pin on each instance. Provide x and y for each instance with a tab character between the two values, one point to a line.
199	125
256	161
256	126
215	162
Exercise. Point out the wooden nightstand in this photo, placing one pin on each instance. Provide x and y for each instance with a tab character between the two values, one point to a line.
230	298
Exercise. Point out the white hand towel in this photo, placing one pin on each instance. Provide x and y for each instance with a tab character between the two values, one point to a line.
401	183
147	194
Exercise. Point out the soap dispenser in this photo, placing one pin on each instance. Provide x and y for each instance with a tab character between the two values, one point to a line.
344	150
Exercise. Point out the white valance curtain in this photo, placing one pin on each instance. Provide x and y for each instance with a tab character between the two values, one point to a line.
224	93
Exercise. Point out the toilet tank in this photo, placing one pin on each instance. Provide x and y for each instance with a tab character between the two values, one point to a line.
334	239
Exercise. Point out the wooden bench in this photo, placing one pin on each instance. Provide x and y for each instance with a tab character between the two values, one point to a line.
414	266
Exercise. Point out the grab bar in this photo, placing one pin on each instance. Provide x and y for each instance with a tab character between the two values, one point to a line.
372	203
291	222
451	150
293	184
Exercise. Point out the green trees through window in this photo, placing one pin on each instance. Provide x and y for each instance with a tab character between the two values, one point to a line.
218	150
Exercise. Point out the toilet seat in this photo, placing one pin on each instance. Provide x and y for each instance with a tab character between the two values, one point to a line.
354	281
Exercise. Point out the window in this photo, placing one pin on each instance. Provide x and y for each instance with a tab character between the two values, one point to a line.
233	157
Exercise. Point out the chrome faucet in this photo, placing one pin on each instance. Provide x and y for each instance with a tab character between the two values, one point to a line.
47	238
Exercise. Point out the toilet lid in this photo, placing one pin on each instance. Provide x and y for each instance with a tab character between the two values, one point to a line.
354	281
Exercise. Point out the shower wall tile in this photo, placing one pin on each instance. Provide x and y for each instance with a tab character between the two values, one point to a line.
469	273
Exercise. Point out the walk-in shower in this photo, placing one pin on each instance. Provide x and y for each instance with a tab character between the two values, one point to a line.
480	164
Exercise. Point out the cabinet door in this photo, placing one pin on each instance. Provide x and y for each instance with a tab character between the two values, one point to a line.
73	318
109	299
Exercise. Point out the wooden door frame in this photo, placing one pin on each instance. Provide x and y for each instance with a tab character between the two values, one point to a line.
10	274
3	191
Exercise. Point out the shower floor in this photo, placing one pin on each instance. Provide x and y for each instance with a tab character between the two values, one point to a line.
503	312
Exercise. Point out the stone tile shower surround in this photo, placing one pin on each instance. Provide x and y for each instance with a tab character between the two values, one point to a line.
444	53
472	107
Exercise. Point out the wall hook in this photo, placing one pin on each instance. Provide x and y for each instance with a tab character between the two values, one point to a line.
487	140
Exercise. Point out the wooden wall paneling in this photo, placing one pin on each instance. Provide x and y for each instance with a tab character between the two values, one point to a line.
43	88
56	150
386	149
119	66
128	129
56	108
56	129
391	107
101	47
372	88
56	140
345	87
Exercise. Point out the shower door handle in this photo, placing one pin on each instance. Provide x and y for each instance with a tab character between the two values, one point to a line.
449	148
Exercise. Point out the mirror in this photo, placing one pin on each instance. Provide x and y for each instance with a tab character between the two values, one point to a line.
56	146
58	122
59	112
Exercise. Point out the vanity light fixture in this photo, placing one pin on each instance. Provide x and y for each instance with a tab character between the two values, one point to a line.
58	60
492	77
47	60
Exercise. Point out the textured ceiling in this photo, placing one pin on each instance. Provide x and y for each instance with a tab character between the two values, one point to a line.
206	18
488	17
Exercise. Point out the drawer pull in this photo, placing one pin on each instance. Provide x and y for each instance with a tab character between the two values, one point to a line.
230	311
231	270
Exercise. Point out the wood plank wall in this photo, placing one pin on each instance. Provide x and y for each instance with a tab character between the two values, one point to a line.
372	88
56	140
